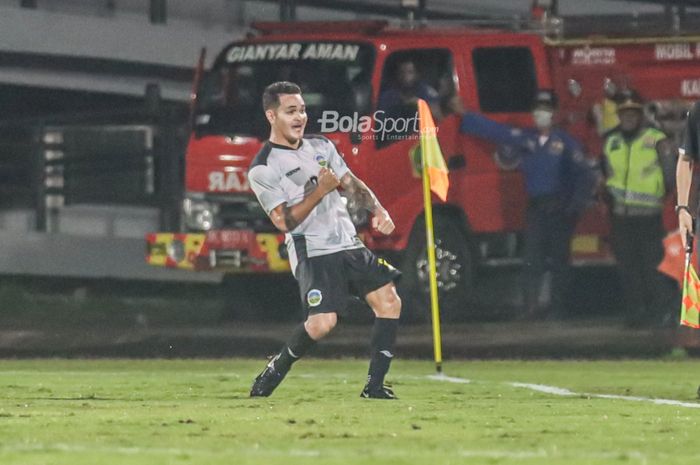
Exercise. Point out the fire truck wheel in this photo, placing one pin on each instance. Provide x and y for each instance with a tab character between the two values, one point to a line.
454	265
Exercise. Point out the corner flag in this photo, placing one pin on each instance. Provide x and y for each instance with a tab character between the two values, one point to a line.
690	304
433	159
434	179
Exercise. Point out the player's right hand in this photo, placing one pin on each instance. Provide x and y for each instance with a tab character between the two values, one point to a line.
685	224
327	180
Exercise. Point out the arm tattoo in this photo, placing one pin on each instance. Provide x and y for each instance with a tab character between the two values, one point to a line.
289	221
359	193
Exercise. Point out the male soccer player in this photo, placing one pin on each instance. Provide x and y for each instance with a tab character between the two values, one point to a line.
295	179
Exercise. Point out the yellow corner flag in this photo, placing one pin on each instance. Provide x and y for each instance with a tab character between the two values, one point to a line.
434	179
690	305
434	161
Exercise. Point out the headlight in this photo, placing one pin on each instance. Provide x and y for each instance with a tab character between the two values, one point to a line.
199	214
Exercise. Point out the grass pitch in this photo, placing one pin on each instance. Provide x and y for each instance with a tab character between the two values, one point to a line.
198	412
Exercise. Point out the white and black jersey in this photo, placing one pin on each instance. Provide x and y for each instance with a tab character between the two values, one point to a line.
280	174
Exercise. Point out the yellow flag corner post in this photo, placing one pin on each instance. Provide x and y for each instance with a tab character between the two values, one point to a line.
690	304
435	179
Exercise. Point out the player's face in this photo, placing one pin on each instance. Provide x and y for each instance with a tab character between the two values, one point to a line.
289	119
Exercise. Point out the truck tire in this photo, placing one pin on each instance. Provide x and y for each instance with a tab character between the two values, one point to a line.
455	270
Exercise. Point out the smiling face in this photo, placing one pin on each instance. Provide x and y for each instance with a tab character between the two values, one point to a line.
287	120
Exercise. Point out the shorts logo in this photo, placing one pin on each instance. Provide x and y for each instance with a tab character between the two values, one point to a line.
314	298
381	261
321	161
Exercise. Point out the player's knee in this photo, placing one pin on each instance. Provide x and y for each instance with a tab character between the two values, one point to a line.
321	324
389	307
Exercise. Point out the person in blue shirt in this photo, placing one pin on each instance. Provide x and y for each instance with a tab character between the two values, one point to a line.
559	182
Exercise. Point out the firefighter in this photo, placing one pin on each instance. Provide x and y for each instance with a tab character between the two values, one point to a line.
639	164
559	182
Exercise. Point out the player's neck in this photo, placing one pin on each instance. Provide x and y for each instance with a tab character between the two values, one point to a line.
279	139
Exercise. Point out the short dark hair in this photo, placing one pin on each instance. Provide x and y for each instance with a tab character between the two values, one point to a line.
271	95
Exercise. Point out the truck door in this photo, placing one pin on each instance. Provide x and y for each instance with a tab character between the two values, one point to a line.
500	80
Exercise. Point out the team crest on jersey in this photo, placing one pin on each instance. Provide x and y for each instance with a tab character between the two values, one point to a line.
314	298
321	161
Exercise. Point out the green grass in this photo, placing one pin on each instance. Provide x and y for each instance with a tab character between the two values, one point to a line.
197	412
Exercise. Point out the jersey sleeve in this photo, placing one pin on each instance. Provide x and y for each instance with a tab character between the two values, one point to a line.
266	185
335	161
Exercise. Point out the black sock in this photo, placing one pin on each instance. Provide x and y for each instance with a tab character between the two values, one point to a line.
297	345
383	337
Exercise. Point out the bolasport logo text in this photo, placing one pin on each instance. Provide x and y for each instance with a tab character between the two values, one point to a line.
379	126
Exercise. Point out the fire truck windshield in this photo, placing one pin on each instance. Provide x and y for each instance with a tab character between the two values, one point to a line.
333	76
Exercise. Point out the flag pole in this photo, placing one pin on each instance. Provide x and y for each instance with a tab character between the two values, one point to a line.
432	272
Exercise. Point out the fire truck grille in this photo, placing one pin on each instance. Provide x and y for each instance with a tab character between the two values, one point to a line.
243	215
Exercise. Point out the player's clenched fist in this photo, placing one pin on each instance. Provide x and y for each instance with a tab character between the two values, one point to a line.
327	180
382	222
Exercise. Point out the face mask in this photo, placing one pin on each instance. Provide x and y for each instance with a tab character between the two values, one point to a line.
543	118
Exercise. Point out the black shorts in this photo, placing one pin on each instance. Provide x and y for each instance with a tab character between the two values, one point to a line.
327	282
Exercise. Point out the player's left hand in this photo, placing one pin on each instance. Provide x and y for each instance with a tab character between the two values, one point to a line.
382	222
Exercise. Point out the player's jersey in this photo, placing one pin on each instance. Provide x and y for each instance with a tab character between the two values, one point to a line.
281	174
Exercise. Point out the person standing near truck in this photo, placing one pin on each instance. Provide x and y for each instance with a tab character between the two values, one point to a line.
639	165
559	182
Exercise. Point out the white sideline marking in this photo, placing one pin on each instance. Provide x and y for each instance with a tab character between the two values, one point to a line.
540	453
449	379
557	391
544	388
504	454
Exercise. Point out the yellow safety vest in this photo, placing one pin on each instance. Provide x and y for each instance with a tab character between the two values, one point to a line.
636	181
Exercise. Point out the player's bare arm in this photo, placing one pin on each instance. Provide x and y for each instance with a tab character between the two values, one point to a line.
365	198
684	174
286	218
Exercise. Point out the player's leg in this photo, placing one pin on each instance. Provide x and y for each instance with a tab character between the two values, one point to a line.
321	296
303	338
374	279
386	304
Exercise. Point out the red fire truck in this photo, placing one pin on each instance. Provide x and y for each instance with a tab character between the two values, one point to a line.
342	69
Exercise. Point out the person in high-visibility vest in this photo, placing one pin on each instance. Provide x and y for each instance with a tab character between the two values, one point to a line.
639	162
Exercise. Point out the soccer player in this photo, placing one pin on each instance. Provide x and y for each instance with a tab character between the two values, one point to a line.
295	179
